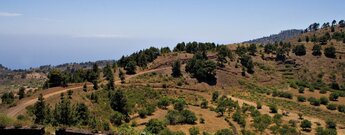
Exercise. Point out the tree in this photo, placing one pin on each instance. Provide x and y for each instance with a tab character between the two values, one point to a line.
194	131
189	117
180	47
247	62
262	122
82	114
179	104
64	112
215	96
306	125
95	85
21	92
39	110
342	23
122	76
201	68
330	52
223	54
116	118
224	132
334	22
118	102
130	67
273	108
301	90
332	106
70	93
176	69
324	100
7	98
85	87
204	104
301	99
252	49
299	50
154	126
331	124
163	102
55	78
317	50
333	96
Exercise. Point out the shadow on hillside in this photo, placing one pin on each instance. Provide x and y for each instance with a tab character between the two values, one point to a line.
209	80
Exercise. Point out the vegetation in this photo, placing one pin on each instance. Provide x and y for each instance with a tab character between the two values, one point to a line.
202	68
176	69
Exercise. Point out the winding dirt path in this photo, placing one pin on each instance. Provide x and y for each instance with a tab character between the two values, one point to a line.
22	104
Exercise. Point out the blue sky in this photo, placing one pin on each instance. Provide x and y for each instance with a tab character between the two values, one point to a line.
39	32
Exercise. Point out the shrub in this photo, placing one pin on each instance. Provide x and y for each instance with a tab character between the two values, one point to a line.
204	104
179	104
163	102
150	108
301	89
323	91
324	100
189	116
202	120
215	96
116	118
314	101
301	99
299	50
306	125
341	108
330	52
331	124
155	126
333	96
194	131
224	132
332	106
258	105
142	113
273	108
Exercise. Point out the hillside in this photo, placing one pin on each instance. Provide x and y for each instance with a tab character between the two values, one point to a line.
285	87
282	36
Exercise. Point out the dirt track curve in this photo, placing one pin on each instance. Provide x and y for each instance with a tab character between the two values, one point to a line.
16	110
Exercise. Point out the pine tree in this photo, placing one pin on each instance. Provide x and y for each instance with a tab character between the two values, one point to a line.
39	110
118	102
21	93
122	76
176	69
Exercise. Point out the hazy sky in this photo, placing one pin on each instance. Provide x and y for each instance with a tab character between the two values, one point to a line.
39	32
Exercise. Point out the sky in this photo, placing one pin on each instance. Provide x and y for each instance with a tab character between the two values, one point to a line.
51	32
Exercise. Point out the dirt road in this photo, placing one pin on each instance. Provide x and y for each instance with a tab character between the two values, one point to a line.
21	105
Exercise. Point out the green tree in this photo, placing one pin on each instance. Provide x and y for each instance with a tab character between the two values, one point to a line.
21	92
204	104
7	97
223	54
215	96
39	110
122	76
224	132
252	49
55	78
116	118
179	104
324	100
317	50
330	52
131	67
262	122
176	69
155	126
299	50
247	62
194	131
333	96
306	125
95	85
163	103
82	114
331	124
118	102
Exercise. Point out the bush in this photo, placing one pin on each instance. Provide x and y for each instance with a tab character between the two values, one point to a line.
150	108
116	118
142	113
301	99
163	102
314	101
299	50
155	126
282	94
202	120
324	100
301	90
4	120
341	108
224	132
189	116
333	96
258	105
330	52
273	108
215	96
332	106
331	124
306	125
323	91
194	131
179	104
204	104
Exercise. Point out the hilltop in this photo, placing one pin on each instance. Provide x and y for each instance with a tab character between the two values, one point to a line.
282	36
